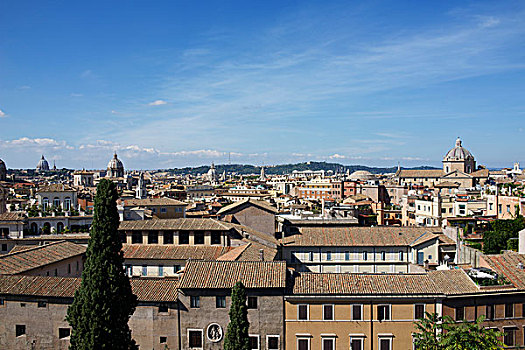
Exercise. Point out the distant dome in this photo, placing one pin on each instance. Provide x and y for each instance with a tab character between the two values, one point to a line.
42	165
212	173
115	167
361	175
459	152
3	170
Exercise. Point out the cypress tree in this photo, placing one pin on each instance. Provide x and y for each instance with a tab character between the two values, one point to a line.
104	302
237	332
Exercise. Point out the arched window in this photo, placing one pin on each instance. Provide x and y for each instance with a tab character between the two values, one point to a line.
60	227
46	229
56	202
34	228
45	203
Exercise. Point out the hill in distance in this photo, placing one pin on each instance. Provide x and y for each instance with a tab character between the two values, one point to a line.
246	169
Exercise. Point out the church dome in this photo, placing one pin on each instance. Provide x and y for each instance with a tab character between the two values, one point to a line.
115	167
361	175
42	165
212	173
459	152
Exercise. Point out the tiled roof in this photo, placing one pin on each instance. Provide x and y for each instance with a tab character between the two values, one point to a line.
152	202
56	188
172	252
261	204
146	289
349	283
448	282
481	173
33	258
14	217
362	236
224	274
175	224
253	234
249	252
421	173
506	264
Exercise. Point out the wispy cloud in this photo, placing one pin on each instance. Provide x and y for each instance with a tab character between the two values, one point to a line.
157	103
2	114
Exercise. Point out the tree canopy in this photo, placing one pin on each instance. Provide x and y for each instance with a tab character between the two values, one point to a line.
104	302
237	337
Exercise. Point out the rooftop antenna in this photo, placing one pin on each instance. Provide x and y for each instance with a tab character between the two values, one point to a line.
229	158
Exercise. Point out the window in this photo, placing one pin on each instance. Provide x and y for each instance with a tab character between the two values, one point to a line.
163	210
419	311
136	237
273	342
328	256
2	301
64	333
252	302
56	272
385	343
215	238
383	312
184	238
161	270
22	304
144	270
4	247
220	302
365	256
303	344
199	237
509	310
195	302
328	344
357	312
163	340
129	270
163	308
489	311
347	256
383	255
195	338
509	336
153	237
310	256
167	237
68	268
328	312
254	342
20	329
460	313
42	304
356	343
176	268
400	256
302	312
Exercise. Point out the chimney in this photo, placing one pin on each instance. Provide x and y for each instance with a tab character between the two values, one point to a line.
521	244
261	254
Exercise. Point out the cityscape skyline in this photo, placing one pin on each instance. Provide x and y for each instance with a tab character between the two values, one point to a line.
174	85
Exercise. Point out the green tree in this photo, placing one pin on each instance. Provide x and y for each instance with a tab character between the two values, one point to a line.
104	302
496	240
237	332
442	333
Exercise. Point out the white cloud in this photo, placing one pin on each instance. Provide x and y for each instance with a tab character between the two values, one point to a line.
157	103
2	114
38	143
337	156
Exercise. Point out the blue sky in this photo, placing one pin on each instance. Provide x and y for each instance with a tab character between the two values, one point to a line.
176	83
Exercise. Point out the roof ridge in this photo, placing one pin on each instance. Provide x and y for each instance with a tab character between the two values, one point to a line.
35	248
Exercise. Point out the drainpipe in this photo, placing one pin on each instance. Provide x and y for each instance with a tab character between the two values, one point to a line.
178	324
371	326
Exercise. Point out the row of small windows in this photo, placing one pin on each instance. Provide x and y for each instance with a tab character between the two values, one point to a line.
383	312
195	340
20	331
356	343
490	311
56	203
184	237
347	256
220	302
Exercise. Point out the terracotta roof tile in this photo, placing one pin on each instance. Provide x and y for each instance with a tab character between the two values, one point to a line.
152	202
261	204
173	252
38	256
362	236
506	264
224	274
175	224
146	289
